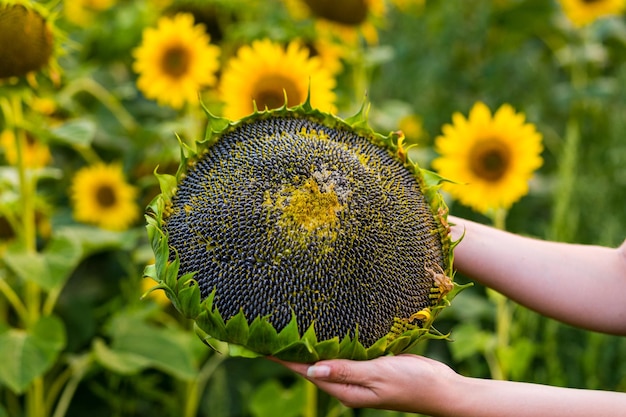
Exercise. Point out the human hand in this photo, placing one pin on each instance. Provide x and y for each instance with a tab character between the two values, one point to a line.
408	383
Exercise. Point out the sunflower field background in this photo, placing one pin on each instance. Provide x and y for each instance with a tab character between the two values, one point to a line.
526	99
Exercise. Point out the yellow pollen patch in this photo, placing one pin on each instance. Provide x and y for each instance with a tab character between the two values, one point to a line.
310	208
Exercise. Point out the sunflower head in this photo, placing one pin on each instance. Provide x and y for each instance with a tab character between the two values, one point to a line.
297	234
491	157
101	196
265	74
584	12
27	41
175	61
346	20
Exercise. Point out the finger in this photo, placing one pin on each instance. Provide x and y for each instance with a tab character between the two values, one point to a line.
342	371
300	368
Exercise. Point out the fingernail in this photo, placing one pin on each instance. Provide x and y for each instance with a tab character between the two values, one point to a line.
318	371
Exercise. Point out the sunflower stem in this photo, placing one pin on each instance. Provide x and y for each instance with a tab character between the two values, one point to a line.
27	235
109	101
195	388
310	409
503	314
14	300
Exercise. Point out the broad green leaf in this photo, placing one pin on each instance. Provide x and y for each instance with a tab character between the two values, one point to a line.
124	363
273	400
75	132
28	354
469	340
67	248
166	349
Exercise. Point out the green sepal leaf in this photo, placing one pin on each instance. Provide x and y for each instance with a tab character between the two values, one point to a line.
237	329
212	324
289	333
328	349
242	351
263	337
310	334
378	348
351	348
399	344
167	184
189	298
300	351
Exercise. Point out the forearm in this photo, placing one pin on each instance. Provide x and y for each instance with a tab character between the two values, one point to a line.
491	398
578	284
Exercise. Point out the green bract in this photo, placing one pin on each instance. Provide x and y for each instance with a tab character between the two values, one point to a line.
297	234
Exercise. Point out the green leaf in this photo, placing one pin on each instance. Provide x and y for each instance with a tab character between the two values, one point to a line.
290	332
78	132
399	344
125	363
263	337
351	349
189	299
300	351
470	340
68	247
167	349
28	354
237	329
273	400
378	348
328	349
212	323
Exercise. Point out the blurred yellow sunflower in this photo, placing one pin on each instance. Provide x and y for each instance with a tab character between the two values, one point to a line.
263	72
34	153
584	12
83	12
101	196
492	157
158	295
175	61
347	20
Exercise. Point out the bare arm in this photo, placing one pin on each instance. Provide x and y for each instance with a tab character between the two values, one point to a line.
581	285
416	384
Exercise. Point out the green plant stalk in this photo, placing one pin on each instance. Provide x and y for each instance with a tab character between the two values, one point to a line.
27	234
310	409
195	387
503	314
77	372
563	221
90	86
13	299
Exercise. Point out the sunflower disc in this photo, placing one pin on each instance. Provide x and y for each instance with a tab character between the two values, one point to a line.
296	234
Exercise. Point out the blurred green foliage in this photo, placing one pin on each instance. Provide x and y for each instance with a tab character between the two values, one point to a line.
90	345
